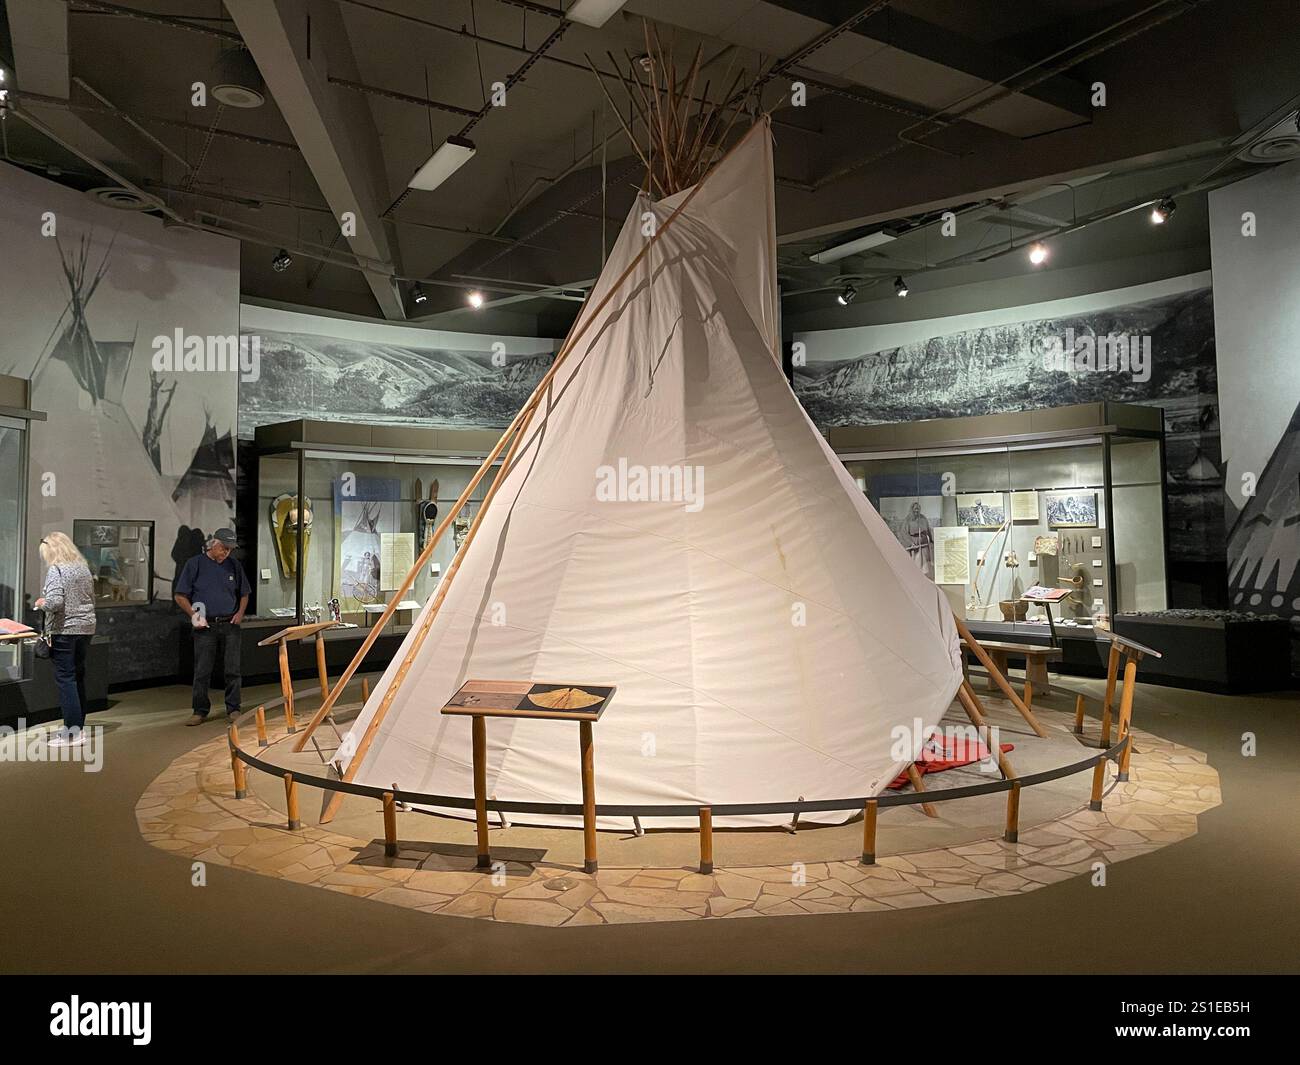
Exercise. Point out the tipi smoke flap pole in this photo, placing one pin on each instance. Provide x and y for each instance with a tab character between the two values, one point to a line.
998	678
517	428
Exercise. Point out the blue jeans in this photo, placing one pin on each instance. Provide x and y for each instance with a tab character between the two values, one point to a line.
220	638
68	656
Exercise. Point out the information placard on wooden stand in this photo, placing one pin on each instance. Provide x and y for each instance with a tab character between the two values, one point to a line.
584	703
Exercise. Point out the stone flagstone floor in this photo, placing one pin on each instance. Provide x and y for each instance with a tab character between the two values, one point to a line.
189	810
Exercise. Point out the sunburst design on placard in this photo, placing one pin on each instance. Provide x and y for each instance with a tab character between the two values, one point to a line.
565	699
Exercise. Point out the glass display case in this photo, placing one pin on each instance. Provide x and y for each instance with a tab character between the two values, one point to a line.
15	419
120	556
991	507
343	511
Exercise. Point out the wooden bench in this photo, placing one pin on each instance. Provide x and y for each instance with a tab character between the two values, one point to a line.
1036	658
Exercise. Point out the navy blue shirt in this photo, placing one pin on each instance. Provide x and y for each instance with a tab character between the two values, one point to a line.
217	585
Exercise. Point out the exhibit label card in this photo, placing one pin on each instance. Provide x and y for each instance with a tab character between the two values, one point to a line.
1024	506
952	555
396	557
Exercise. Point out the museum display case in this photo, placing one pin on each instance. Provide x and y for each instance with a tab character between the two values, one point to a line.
344	510
998	508
120	556
15	419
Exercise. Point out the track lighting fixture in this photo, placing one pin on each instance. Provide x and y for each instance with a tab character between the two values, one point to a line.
1163	211
282	261
475	299
418	295
1038	253
847	295
900	287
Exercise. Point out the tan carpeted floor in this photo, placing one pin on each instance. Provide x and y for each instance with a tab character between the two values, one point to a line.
87	893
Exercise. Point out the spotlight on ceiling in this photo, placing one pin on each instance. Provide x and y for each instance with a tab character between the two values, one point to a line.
418	295
1163	211
451	155
1038	253
475	299
282	261
900	287
847	295
236	81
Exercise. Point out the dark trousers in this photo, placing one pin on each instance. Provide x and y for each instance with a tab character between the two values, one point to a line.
219	638
68	656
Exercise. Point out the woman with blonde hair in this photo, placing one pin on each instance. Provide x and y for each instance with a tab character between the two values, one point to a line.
68	599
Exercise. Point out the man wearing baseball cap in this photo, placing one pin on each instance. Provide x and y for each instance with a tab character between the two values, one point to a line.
213	590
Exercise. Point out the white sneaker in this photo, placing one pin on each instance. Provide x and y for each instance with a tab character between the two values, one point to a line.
68	738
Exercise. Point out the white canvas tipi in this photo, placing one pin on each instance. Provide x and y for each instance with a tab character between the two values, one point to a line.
767	633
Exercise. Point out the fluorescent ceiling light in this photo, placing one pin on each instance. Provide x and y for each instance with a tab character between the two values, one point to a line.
593	12
843	251
454	153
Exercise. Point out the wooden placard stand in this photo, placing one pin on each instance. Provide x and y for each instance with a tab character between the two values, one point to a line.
299	632
481	699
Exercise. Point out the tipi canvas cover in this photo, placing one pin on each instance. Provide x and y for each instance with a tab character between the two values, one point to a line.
767	633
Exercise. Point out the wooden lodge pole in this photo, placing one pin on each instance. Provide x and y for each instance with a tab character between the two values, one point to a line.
291	802
914	775
706	839
975	711
390	823
262	741
869	831
1078	714
1012	834
998	678
517	428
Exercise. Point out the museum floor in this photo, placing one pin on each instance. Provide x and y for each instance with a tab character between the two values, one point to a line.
90	893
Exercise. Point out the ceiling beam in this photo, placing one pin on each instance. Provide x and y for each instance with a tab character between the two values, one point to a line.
38	31
297	44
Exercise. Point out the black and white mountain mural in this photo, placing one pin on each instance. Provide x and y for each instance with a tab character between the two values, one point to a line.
394	375
1000	367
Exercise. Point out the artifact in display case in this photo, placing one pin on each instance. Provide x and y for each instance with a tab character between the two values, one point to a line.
285	518
366	499
1069	498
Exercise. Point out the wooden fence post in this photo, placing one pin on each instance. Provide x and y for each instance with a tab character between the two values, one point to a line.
390	825
1098	784
706	839
1012	834
869	831
291	802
